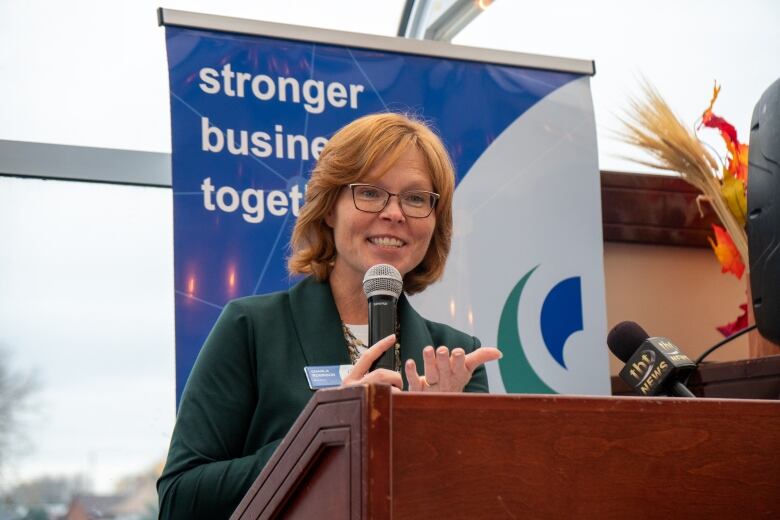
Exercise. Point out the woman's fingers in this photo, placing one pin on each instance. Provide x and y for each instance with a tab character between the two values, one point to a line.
447	371
429	365
361	373
414	379
458	363
368	357
481	356
383	375
443	369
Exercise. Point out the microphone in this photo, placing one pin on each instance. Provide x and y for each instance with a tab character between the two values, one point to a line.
382	285
653	366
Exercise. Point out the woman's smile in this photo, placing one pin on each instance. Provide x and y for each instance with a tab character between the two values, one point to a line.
385	241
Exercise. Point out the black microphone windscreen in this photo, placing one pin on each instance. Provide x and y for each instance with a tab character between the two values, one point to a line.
625	338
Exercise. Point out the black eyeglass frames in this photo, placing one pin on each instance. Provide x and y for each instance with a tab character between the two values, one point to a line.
373	199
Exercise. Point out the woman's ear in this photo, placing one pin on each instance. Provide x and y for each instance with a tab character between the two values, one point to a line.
329	218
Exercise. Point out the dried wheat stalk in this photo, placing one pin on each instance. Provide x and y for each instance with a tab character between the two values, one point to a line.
652	126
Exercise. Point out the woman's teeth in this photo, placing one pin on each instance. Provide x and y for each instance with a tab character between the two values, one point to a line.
386	241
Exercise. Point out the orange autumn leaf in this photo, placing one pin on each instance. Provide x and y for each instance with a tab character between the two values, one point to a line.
727	253
738	161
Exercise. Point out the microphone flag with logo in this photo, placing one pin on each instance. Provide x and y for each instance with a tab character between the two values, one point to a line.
653	366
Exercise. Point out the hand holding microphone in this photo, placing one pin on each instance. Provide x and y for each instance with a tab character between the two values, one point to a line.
445	371
382	284
363	373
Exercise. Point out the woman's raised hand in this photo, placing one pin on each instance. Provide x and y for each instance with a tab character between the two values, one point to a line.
361	373
445	372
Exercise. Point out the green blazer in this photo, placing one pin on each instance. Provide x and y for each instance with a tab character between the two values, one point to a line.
248	386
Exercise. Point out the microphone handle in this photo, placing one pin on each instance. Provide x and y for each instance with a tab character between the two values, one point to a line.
381	323
680	390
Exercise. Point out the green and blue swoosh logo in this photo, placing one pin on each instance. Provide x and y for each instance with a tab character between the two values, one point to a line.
560	317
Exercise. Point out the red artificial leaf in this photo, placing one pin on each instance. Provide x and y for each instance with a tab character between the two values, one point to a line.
727	130
710	120
737	152
737	325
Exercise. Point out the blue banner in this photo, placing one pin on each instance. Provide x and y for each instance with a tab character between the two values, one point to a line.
249	117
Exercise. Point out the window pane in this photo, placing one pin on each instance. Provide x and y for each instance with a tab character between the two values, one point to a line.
86	305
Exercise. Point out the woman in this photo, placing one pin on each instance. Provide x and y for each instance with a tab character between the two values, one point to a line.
381	193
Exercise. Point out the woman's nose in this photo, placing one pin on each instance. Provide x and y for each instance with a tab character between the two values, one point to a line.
392	210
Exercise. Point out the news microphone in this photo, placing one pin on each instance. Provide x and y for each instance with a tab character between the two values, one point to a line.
653	366
382	285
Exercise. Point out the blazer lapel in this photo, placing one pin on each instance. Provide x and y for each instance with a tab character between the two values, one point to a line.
414	336
318	324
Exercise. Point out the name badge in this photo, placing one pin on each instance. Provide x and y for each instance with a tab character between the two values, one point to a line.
327	376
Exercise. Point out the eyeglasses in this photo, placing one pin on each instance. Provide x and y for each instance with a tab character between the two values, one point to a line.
372	199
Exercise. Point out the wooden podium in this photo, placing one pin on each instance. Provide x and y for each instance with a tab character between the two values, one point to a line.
366	452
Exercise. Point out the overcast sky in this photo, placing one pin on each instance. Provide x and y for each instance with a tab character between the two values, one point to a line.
86	281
